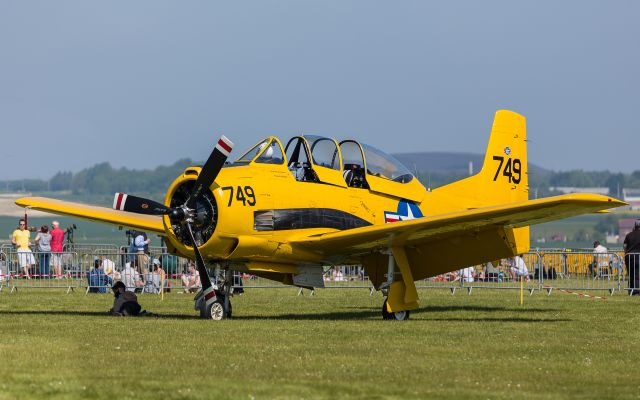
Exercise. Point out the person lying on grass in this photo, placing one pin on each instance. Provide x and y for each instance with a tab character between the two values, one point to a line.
125	302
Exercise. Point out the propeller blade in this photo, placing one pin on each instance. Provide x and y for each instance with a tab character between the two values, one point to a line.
138	205
207	288
211	168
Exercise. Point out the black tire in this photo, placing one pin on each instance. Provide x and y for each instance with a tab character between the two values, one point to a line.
385	314
215	310
395	316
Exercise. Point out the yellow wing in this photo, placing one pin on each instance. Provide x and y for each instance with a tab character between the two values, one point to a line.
150	223
457	229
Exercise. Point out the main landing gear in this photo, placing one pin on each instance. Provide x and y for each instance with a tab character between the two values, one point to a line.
397	316
402	292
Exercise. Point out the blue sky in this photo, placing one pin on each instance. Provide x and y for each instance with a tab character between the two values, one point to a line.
145	83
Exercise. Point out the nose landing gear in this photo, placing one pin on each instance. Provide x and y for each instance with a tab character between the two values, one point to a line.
220	308
216	311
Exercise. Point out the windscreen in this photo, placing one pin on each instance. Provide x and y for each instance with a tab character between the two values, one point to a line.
252	152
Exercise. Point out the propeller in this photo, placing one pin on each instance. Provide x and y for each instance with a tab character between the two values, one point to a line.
210	169
139	205
208	174
186	212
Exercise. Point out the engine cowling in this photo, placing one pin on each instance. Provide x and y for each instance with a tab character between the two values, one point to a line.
205	221
205	218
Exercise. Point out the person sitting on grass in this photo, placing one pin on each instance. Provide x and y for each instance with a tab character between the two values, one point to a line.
519	269
109	267
162	274
191	280
98	280
125	302
131	277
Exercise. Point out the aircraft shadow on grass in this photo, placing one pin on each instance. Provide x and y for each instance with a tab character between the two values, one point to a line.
88	314
364	313
350	314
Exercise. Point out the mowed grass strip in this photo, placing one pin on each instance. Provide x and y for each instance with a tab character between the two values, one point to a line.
334	344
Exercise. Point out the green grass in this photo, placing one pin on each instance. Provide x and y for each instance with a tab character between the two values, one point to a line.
330	345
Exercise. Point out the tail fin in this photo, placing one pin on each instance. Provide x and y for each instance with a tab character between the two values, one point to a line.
504	176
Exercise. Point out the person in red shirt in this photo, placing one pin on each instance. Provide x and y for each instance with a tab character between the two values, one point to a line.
57	238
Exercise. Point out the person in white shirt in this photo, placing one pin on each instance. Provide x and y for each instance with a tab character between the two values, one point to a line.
519	268
131	278
600	259
466	274
108	266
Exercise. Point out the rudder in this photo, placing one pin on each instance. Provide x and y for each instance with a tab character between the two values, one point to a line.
504	176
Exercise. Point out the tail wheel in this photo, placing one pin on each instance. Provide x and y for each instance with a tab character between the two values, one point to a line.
397	316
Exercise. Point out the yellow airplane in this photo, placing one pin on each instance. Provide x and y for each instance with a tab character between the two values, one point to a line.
283	212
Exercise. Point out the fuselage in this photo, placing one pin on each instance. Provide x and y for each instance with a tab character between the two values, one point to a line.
263	206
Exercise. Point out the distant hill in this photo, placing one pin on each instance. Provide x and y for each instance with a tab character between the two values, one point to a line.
435	169
443	162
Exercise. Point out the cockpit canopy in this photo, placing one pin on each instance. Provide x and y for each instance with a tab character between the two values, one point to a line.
317	151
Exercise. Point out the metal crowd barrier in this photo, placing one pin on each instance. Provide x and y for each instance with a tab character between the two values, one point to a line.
39	270
632	267
548	269
495	275
82	248
583	270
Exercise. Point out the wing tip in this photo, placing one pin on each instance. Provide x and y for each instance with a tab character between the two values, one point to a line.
23	201
616	202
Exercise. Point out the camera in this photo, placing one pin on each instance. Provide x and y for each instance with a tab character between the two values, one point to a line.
70	229
69	232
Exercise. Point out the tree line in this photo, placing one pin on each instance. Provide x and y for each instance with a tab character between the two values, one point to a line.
102	179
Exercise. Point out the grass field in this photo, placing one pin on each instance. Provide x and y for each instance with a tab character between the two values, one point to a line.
334	344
